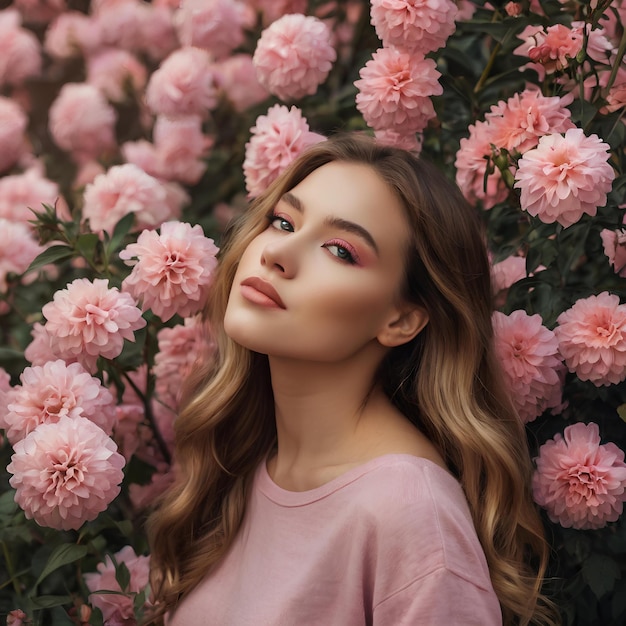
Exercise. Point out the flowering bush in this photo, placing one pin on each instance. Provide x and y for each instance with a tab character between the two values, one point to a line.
132	131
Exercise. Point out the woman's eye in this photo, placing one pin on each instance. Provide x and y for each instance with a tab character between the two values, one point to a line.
281	223
341	253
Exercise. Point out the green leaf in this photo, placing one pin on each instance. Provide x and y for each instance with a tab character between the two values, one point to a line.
47	602
7	503
621	411
62	555
51	255
122	575
600	572
86	245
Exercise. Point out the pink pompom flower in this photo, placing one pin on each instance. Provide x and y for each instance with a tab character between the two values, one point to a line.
183	85
173	270
124	189
293	56
13	123
66	473
18	249
39	11
592	339
54	390
277	139
117	607
72	34
395	89
20	52
39	351
88	319
116	72
237	77
529	354
565	177
579	481
614	244
214	25
82	122
417	25
18	192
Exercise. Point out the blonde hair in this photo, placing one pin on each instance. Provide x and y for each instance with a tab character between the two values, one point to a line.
446	381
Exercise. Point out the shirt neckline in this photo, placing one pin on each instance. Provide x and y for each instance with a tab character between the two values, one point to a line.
287	498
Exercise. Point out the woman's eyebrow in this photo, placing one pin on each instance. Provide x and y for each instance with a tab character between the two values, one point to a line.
336	222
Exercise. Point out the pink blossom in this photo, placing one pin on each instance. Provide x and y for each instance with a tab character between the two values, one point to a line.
599	48
616	98
417	25
88	319
592	339
20	193
528	353
18	249
51	391
143	496
565	177
395	89
277	139
293	56
237	77
87	173
39	11
513	9
273	10
184	84
17	617
180	349
471	166
172	271
178	153
406	141
13	123
72	34
614	244
214	25
579	481
117	608
157	34
518	123
82	122
20	52
119	23
507	272
116	72
65	473
39	350
122	190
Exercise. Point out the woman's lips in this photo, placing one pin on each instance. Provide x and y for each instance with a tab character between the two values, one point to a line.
261	292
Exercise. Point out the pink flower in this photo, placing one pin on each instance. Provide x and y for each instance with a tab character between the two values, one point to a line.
580	482
180	349
592	339
273	10
88	319
237	77
17	617
65	473
21	191
528	352
39	11
119	23
72	34
157	34
122	190
565	177
214	25
173	270
184	84
507	272
51	391
406	141
395	89
293	56
143	496
18	249
82	122
417	25
518	123
471	166
117	608
277	139
115	72
39	351
20	52
616	98
614	244
13	123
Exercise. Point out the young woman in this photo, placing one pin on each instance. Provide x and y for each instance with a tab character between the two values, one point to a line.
351	457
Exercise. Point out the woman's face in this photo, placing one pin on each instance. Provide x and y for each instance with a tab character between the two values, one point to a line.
322	281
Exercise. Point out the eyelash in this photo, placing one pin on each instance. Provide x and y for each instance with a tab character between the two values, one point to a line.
351	258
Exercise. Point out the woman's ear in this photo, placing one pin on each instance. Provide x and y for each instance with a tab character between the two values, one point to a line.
406	324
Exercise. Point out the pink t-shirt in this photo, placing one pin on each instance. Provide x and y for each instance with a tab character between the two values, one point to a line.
388	543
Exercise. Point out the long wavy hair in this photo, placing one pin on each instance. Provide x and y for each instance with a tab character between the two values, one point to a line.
446	381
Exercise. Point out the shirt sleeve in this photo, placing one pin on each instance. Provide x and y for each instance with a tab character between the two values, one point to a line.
441	597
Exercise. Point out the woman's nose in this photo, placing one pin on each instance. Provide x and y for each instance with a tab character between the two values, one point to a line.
280	256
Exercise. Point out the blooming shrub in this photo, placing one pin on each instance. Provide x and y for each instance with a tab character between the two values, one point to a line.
135	130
